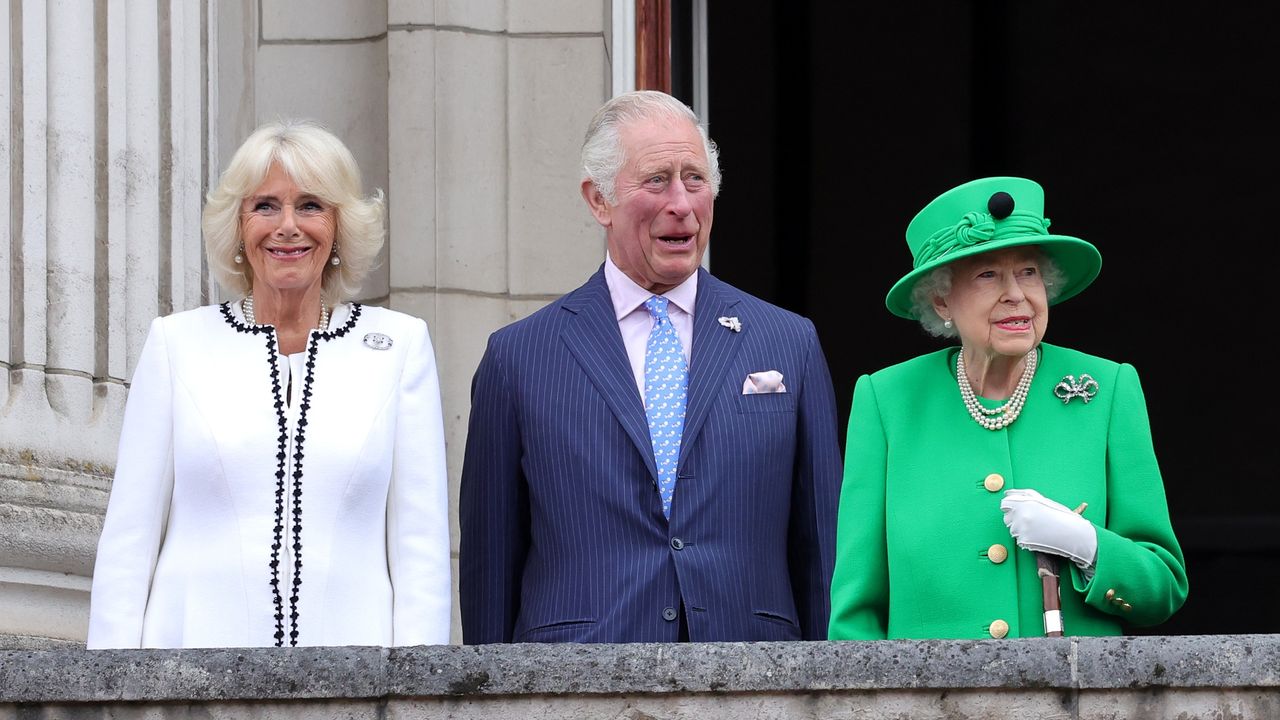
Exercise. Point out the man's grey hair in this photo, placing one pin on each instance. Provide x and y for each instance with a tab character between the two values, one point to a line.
602	153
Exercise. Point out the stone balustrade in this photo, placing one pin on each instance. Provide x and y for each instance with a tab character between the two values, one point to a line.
1184	677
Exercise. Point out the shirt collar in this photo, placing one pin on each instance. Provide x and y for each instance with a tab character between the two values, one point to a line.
627	295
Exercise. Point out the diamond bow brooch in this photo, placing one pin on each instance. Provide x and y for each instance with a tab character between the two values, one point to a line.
1069	388
732	323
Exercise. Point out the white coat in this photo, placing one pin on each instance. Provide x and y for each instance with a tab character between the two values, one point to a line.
215	451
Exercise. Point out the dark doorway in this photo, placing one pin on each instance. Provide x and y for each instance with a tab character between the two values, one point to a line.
1152	128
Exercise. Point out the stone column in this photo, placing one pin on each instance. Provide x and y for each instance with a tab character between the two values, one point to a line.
103	174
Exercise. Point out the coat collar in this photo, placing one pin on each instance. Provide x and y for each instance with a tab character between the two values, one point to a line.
593	337
714	346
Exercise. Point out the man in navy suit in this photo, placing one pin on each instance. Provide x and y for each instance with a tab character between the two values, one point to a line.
573	529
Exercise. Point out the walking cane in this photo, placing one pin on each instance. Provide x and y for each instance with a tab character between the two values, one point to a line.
1047	569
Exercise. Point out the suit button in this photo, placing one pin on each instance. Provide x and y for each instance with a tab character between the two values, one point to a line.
669	614
999	629
997	553
1110	594
677	543
993	482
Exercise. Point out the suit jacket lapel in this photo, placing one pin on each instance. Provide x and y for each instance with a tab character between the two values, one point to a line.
594	339
714	346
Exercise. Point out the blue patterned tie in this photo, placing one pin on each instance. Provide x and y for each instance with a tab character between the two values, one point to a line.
666	378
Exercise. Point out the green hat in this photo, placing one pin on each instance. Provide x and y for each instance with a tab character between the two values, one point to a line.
983	215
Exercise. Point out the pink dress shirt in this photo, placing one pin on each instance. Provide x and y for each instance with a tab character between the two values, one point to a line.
634	320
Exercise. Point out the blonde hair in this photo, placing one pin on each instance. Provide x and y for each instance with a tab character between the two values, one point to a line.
321	165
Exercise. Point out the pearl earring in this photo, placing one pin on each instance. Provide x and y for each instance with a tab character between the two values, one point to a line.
335	260
947	324
239	258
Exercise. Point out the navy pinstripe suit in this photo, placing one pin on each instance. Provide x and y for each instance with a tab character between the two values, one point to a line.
563	536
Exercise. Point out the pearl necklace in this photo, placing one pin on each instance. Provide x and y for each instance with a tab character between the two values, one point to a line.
1003	416
247	306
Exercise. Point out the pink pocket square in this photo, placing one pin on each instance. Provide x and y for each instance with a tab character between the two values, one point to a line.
765	381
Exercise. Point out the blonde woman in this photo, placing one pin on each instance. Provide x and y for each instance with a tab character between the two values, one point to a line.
281	471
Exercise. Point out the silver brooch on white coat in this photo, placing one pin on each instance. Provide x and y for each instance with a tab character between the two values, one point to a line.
732	323
1085	388
378	341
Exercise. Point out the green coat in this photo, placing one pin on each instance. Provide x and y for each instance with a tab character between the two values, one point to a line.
917	520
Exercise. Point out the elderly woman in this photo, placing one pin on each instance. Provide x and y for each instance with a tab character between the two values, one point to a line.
962	462
281	471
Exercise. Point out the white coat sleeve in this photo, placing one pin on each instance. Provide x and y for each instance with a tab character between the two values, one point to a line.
138	507
418	506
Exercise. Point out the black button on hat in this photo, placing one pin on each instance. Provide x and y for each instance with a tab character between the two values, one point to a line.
1000	205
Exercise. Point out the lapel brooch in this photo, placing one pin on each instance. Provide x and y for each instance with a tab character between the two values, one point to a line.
1069	388
732	323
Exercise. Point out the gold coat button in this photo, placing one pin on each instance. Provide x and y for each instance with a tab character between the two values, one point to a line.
994	482
1110	594
1126	607
997	553
999	629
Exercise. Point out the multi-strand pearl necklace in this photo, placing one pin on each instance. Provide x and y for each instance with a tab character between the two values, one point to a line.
247	306
1003	416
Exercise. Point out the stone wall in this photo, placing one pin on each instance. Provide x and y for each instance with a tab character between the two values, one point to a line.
117	117
1183	677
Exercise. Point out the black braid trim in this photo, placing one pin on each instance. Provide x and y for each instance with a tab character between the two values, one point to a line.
281	465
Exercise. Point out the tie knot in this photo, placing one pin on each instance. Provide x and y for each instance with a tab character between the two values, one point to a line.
657	306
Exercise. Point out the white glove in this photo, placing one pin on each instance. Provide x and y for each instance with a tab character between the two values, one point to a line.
1042	525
